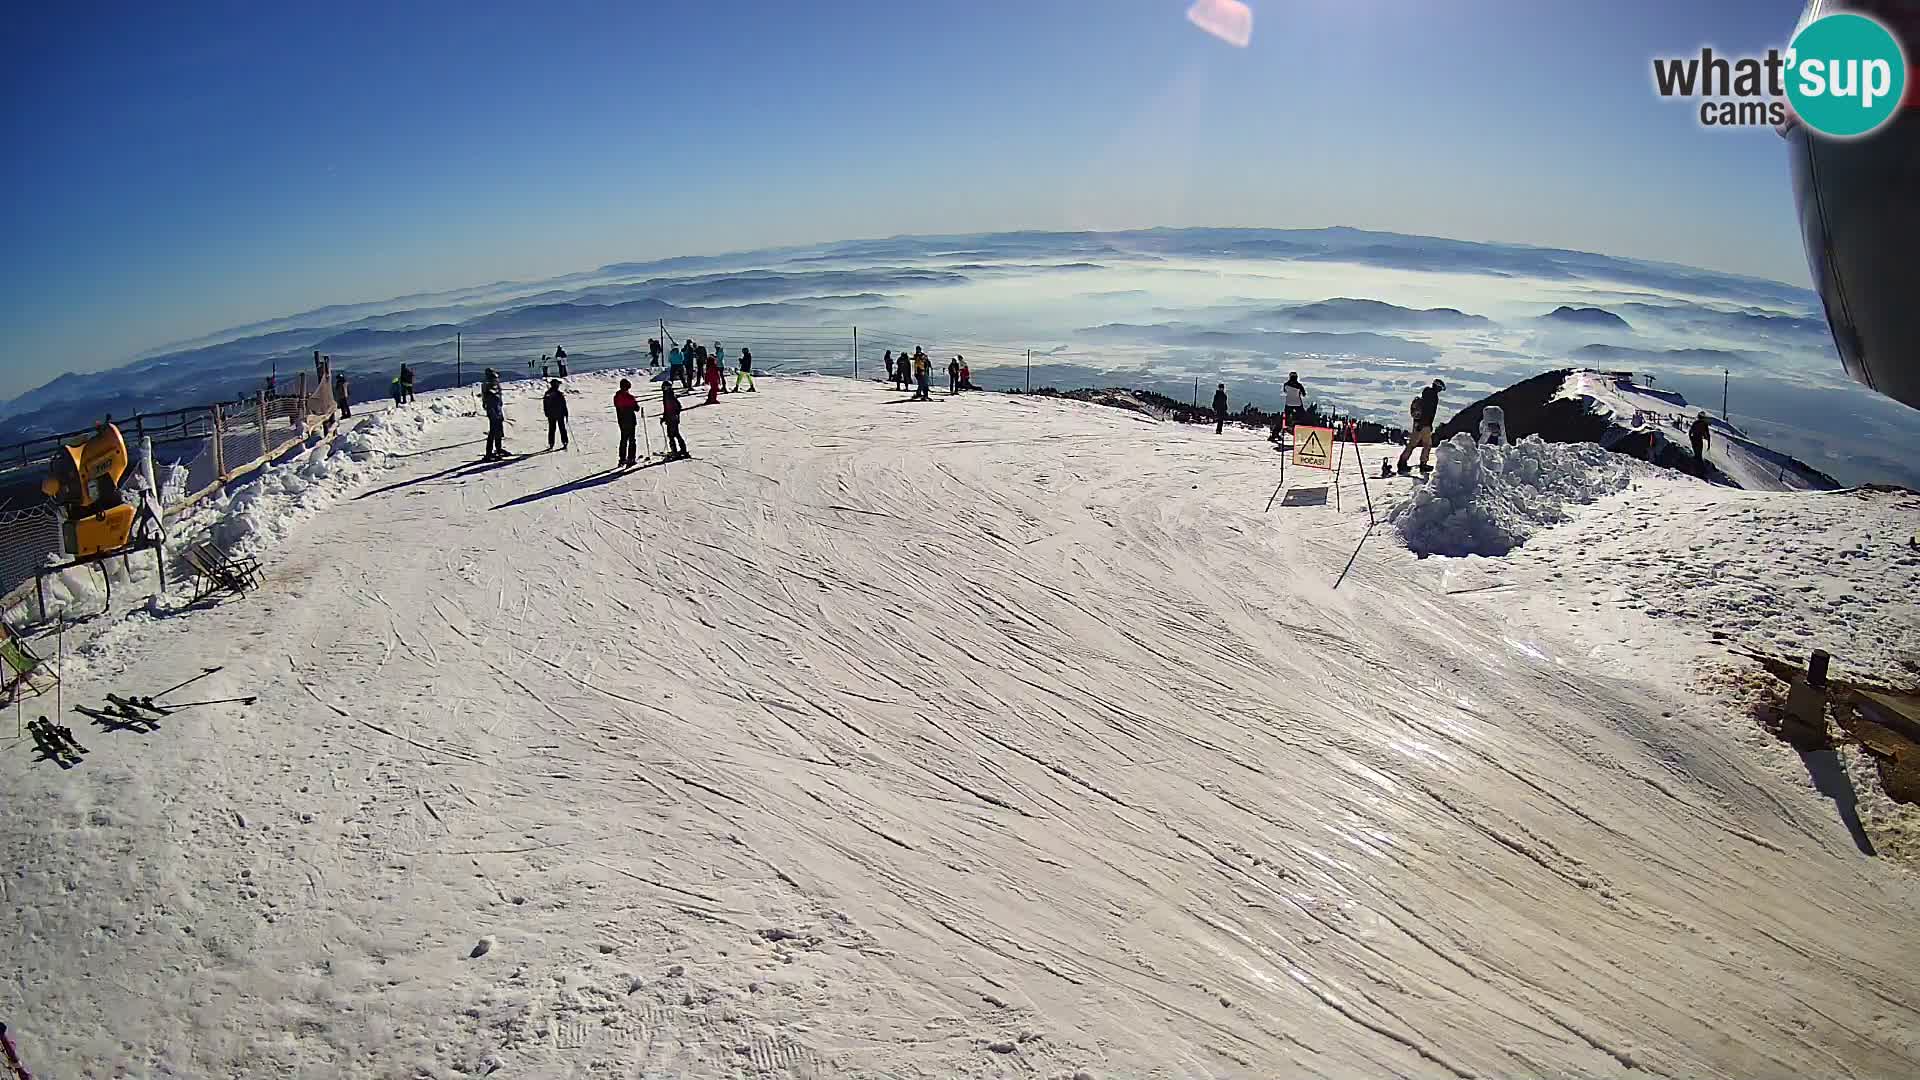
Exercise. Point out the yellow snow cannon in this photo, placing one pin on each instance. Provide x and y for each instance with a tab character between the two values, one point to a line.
87	479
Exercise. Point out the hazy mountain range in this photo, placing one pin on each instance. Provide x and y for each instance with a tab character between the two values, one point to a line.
1365	318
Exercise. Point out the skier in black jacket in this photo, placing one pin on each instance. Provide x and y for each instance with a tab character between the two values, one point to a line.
495	408
1220	409
555	404
1425	410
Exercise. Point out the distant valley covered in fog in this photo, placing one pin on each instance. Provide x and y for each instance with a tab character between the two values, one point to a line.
1366	318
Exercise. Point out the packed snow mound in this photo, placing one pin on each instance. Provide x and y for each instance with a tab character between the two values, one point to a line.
259	511
1487	500
259	515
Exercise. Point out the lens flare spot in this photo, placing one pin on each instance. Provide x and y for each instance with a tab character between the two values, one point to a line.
1229	20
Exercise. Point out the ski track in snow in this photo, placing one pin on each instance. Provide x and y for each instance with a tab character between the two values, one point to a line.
975	738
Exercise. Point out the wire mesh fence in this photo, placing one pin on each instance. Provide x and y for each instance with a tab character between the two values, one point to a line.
194	450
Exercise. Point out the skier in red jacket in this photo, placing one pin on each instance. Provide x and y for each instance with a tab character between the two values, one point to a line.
627	411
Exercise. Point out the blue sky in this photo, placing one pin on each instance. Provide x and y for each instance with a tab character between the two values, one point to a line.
179	171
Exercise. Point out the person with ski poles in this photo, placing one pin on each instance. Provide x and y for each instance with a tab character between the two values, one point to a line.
670	418
626	412
1220	409
746	371
495	408
554	403
953	376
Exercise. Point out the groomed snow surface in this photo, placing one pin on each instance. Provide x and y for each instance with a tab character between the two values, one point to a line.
978	737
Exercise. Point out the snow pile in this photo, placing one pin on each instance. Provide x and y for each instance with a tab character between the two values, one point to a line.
1487	500
260	510
260	514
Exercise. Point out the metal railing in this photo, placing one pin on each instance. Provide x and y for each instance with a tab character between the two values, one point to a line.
196	451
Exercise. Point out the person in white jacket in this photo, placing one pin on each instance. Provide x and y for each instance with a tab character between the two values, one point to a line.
1296	400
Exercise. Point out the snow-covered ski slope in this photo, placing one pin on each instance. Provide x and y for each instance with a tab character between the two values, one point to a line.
1645	410
978	737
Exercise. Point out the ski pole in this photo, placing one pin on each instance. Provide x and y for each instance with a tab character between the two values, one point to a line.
13	1059
203	674
645	434
214	701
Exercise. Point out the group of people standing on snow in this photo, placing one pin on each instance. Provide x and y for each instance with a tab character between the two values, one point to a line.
689	361
916	368
680	366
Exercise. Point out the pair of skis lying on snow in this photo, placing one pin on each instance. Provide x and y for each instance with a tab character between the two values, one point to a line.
56	742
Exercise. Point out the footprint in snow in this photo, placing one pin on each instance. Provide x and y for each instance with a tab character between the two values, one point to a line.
482	947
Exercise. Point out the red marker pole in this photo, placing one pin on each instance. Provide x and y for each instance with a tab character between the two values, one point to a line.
1353	429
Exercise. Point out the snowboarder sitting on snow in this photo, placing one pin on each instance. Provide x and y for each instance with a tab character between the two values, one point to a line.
555	405
746	371
491	404
1424	409
1699	433
670	417
627	412
966	375
1220	409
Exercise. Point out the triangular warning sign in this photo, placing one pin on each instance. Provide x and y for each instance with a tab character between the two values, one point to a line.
1313	447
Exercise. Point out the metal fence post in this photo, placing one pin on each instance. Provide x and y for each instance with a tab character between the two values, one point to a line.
219	447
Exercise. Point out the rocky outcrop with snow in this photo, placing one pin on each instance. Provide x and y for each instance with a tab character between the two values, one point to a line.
1609	408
